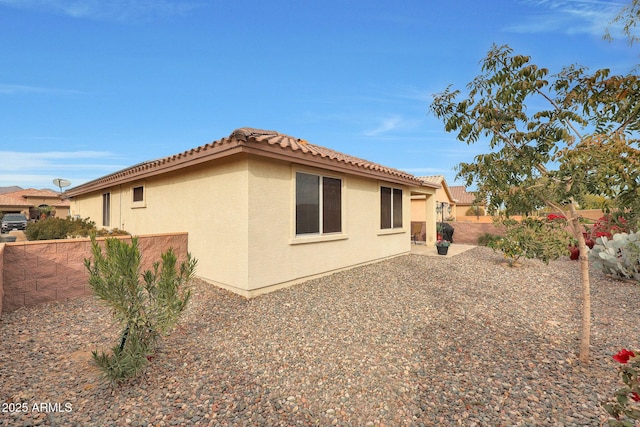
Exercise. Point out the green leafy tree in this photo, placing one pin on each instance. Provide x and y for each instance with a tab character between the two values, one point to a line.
145	309
532	238
593	201
584	141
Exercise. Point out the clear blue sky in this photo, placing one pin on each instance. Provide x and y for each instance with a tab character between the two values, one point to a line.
88	87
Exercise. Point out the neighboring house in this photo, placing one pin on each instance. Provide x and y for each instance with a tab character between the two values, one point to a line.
465	199
263	210
30	202
443	208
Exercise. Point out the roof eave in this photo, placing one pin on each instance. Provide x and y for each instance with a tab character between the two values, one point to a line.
230	146
149	169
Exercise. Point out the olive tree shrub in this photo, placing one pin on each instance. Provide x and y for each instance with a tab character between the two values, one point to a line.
145	305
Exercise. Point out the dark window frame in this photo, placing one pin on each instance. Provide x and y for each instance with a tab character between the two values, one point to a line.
318	201
391	208
106	209
138	194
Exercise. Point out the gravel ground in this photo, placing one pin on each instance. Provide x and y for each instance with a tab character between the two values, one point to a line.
414	341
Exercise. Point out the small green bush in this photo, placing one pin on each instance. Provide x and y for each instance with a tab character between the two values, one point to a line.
488	239
475	211
52	228
533	238
145	309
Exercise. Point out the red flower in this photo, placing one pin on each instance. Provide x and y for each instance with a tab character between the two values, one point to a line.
623	355
551	217
635	396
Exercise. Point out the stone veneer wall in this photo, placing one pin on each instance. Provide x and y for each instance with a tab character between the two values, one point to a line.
53	270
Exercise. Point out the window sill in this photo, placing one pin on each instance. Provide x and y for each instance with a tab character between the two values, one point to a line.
391	231
301	240
138	205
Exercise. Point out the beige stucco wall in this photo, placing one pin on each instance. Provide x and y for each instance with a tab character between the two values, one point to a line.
418	208
209	203
240	216
423	209
419	211
277	255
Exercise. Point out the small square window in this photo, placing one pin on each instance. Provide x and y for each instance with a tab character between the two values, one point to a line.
138	194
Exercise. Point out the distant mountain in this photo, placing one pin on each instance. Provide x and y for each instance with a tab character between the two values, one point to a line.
10	189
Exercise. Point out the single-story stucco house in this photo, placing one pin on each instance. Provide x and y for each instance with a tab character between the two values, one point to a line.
466	200
263	210
31	202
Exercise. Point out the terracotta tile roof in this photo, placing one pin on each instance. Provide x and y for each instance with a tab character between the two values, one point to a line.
434	179
32	192
10	199
460	193
259	142
295	144
21	198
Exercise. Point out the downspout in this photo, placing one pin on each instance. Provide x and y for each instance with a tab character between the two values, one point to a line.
120	217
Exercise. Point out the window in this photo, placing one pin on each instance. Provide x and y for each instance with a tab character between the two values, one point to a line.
106	209
138	194
318	204
390	207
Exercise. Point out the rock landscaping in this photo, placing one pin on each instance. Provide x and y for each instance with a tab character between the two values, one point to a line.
415	340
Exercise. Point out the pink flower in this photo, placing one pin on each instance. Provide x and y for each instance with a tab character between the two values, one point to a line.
635	396
623	355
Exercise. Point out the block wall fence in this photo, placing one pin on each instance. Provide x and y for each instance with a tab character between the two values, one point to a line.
2	245
53	270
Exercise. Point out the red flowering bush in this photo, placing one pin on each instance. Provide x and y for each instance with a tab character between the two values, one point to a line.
624	407
608	225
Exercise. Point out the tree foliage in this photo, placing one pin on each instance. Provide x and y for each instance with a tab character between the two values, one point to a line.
546	156
145	309
553	139
628	18
533	238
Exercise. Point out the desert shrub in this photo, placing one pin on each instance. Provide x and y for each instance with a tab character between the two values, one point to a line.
475	211
52	228
488	239
145	305
103	232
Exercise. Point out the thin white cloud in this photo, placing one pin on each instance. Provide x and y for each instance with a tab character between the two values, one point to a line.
567	16
426	171
386	125
38	169
14	89
57	160
118	10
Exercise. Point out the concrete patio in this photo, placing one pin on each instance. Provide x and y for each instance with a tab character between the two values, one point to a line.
430	250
